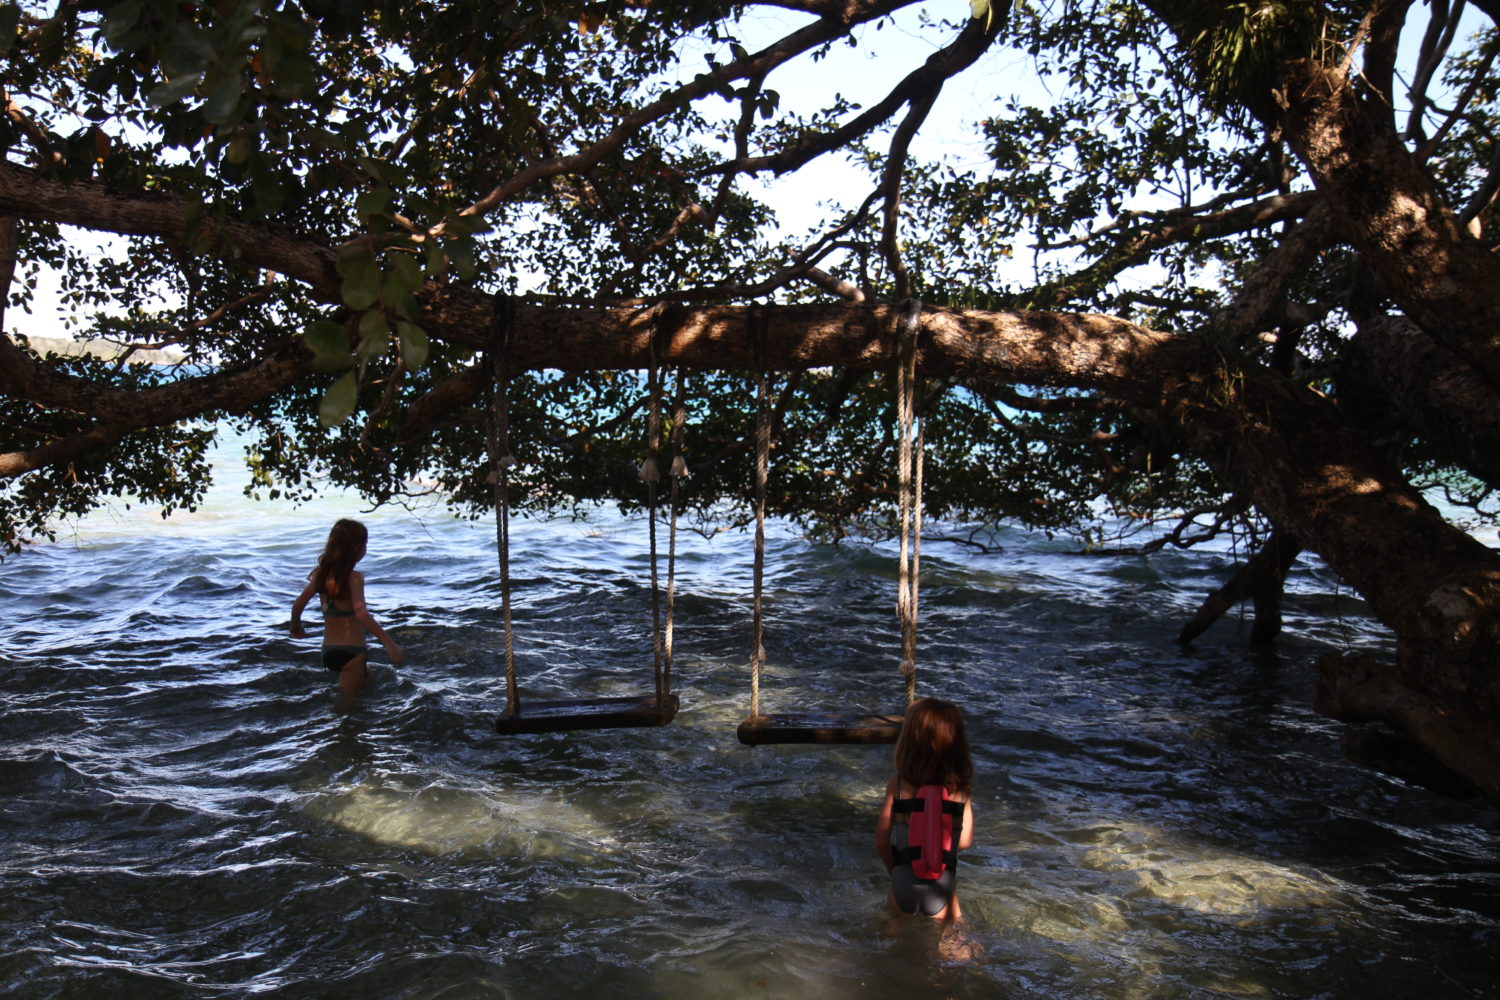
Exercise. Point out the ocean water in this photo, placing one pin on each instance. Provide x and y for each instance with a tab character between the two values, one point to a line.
189	810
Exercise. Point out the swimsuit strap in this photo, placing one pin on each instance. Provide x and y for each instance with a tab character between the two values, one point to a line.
331	610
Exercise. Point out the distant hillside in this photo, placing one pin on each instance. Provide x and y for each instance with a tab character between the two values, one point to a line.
101	349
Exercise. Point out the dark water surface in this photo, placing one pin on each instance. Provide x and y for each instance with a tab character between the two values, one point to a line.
186	814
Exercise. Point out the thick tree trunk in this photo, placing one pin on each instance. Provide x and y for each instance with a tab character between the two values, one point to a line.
1393	379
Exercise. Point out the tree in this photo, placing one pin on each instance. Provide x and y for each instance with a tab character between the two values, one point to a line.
1263	298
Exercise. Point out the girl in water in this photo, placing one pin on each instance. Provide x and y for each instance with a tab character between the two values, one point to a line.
341	593
933	772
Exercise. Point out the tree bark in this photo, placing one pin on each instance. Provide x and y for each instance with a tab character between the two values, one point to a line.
1443	278
1395	380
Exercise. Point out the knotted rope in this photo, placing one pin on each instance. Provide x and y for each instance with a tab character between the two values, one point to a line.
762	467
909	490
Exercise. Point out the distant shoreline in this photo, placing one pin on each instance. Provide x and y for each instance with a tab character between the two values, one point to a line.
106	350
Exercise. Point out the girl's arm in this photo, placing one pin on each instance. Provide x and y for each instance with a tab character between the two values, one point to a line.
967	837
298	605
883	824
363	616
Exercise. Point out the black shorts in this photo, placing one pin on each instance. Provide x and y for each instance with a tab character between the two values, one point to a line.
335	657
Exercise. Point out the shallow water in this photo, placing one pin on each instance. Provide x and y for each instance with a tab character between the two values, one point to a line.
186	813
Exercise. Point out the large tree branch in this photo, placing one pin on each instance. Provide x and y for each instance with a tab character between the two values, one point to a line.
116	412
1443	278
1261	302
90	205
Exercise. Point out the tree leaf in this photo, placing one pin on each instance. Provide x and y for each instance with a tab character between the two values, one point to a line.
174	89
266	188
327	339
414	344
120	19
373	324
361	287
374	336
407	271
222	99
371	203
339	401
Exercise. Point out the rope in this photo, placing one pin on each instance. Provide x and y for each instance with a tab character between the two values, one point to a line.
652	477
501	461
678	472
909	485
762	466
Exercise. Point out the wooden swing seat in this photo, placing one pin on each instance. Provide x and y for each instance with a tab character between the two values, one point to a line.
762	730
630	711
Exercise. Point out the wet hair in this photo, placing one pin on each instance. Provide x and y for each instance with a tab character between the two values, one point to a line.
932	748
346	543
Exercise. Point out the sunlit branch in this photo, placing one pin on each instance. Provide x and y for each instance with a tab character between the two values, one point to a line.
29	127
91	205
1385	28
708	217
1135	248
837	286
1441	30
1261	300
895	170
1093	439
1172	223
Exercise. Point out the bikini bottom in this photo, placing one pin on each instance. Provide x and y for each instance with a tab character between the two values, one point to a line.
334	657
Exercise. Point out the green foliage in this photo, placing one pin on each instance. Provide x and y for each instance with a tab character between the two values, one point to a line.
374	129
1237	48
159	466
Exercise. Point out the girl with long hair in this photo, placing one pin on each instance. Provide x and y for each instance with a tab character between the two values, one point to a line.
927	817
340	590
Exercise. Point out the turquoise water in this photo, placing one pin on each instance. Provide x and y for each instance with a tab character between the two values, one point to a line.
188	813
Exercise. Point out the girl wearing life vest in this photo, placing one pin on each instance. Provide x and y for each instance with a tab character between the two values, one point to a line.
927	817
340	589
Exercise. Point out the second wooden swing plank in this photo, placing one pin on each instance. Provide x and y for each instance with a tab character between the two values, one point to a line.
763	730
630	711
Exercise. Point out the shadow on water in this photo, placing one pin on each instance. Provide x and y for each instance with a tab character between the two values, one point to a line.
187	812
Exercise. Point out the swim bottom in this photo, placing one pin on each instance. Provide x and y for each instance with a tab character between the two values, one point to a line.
334	657
919	895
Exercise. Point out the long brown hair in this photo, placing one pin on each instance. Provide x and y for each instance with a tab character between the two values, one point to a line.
932	748
346	543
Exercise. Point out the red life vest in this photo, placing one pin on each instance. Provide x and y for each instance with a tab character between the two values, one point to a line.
933	828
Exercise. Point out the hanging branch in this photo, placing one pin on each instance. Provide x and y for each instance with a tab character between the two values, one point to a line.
942	65
895	169
1261	579
1441	30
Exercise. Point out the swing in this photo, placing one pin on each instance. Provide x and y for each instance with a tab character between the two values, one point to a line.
656	708
762	730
